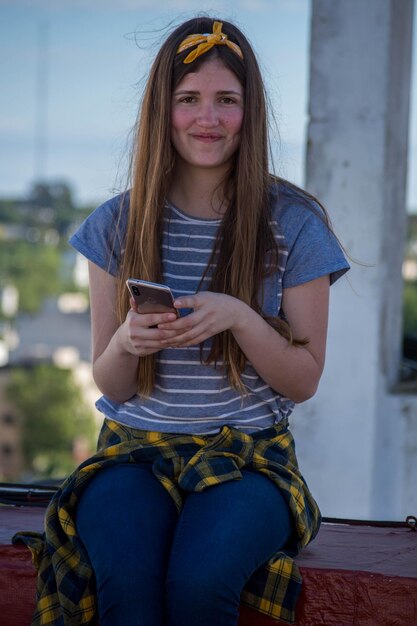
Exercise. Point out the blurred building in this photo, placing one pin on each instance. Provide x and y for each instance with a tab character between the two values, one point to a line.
59	334
56	326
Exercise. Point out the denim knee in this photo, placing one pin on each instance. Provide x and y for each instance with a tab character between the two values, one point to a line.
200	597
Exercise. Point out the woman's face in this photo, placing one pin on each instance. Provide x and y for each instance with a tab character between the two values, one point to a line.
206	116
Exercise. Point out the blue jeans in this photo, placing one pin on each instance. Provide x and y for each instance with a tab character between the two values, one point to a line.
154	567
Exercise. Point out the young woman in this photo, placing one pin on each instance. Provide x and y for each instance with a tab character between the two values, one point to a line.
194	502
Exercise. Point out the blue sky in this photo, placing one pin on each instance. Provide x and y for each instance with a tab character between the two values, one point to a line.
98	52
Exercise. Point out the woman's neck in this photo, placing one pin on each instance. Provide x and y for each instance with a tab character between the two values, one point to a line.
198	191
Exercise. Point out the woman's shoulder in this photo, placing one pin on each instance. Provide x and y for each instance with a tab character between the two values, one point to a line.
304	226
100	238
294	210
115	207
108	218
289	202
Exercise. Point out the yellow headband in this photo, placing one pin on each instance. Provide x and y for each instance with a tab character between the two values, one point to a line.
205	42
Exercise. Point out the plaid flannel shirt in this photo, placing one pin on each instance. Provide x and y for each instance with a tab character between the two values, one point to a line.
182	463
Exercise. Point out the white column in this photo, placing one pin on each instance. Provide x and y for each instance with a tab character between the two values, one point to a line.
356	165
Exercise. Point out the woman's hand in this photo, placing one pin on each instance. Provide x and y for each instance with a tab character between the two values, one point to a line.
116	348
140	334
212	314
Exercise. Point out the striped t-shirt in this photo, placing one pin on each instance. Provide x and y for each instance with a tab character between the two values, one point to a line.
189	396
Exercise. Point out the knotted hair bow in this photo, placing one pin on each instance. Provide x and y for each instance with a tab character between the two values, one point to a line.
205	42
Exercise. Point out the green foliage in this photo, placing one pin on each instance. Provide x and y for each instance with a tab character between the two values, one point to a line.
8	213
58	198
33	269
36	268
412	227
54	415
410	308
47	206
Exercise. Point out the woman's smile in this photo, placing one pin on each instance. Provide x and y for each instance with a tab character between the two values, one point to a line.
207	138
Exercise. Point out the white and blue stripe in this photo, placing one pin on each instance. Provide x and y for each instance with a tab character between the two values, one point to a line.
189	396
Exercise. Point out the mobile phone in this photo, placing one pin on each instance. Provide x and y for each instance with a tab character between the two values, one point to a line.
151	297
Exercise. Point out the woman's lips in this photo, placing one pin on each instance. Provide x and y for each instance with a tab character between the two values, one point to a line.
207	138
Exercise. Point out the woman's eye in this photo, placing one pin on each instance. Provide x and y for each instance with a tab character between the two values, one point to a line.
188	99
227	100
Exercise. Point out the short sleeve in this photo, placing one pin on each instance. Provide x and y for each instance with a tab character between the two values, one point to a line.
314	253
310	246
100	238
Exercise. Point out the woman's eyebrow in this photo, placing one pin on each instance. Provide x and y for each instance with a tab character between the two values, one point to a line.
229	91
181	92
221	92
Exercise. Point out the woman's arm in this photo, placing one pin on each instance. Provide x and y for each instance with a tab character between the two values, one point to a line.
291	370
294	371
116	348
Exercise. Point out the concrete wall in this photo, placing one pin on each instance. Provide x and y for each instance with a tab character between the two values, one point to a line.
352	436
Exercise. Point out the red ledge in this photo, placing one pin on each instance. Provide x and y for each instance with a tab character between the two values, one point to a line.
353	576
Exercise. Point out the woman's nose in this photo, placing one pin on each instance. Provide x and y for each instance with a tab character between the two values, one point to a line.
207	115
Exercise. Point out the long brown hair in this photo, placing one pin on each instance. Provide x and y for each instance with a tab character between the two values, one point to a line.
245	239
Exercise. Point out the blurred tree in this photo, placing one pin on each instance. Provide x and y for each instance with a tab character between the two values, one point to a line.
55	418
410	308
8	212
58	198
33	269
46	205
32	260
412	227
